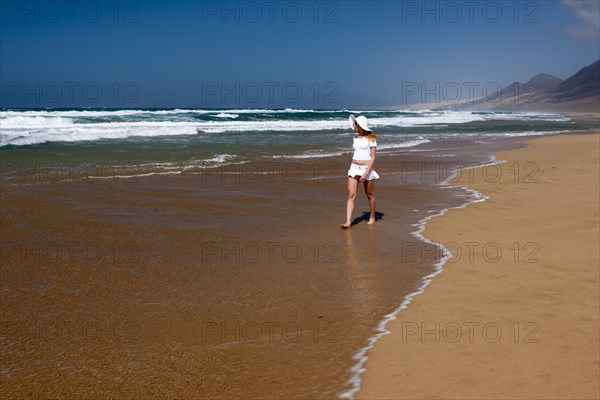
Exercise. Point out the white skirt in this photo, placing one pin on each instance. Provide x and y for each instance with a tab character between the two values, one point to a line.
356	169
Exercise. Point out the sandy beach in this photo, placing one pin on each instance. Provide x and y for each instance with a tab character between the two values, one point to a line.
187	284
515	312
228	284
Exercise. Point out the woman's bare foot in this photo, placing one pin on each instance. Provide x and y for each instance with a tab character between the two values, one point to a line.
345	226
371	221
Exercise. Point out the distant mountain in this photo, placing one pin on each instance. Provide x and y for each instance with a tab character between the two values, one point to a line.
517	95
543	92
584	84
546	83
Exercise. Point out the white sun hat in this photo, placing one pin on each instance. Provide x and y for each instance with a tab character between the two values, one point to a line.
363	122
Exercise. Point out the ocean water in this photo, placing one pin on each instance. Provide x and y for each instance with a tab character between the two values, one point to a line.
171	141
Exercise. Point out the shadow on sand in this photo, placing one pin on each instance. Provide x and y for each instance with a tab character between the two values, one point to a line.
365	217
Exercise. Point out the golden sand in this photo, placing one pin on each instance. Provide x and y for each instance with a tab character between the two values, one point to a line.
521	326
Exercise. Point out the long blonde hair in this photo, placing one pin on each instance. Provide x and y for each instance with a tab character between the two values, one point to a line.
371	136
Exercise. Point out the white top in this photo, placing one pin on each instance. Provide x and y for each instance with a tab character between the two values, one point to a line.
362	148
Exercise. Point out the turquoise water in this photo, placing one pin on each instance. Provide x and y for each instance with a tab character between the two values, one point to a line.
175	140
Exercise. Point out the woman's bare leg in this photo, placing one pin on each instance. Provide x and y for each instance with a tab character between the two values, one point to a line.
369	190
352	185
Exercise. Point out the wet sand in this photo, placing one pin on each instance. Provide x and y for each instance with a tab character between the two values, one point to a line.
515	313
228	284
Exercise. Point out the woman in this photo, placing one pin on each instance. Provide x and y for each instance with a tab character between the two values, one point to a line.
361	168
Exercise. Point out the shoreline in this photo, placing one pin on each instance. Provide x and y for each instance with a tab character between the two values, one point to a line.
185	298
358	368
379	372
168	294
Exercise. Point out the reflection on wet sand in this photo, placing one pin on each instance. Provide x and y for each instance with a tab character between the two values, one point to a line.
162	317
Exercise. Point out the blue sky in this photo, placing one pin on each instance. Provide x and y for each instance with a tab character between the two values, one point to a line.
296	54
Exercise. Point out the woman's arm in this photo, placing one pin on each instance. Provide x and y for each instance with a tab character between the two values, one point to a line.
370	164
